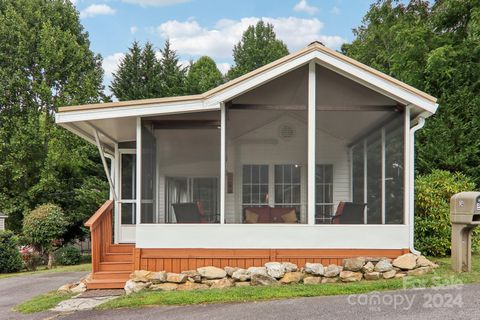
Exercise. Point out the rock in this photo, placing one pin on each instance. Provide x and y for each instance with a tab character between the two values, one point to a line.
353	264
372	275
81	287
230	270
188	286
314	268
373	259
400	275
132	286
419	271
312	280
292	277
65	288
241	275
257	270
290	267
368	267
259	279
406	261
332	271
222	283
389	274
275	269
242	284
383	266
164	287
350	276
157	277
424	262
330	280
212	273
193	276
176	277
140	275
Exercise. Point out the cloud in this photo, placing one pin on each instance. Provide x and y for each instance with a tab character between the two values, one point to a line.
155	3
303	6
335	11
133	29
190	38
223	67
96	10
110	64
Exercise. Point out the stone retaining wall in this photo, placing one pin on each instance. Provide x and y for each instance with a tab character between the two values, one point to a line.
279	273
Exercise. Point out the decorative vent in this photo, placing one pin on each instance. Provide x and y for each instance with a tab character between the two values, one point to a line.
286	131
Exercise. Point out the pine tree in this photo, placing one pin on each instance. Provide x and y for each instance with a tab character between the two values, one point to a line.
172	74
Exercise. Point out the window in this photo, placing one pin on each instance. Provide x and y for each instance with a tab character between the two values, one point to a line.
254	185
324	193
287	186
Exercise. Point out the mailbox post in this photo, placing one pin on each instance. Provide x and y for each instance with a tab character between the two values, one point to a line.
465	216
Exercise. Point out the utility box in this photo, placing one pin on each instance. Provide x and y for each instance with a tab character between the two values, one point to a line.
465	216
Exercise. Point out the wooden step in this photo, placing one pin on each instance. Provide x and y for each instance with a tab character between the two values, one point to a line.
105	284
115	266
121	248
117	257
111	275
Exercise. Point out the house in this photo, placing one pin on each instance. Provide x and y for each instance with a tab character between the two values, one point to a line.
2	221
309	158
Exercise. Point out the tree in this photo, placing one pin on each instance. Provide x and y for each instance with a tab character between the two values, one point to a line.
202	76
45	63
436	49
44	228
138	75
10	260
258	47
172	74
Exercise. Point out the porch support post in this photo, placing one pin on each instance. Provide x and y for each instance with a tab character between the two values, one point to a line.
311	143
105	166
365	181
383	175
116	205
138	202
406	165
222	161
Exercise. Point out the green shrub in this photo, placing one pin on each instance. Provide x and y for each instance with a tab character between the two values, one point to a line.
86	258
44	227
432	210
10	260
67	256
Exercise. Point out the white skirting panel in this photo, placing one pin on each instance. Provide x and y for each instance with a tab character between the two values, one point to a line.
272	236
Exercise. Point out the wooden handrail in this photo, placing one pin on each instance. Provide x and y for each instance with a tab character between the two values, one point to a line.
106	207
100	225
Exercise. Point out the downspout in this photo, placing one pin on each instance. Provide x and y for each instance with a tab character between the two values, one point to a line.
418	126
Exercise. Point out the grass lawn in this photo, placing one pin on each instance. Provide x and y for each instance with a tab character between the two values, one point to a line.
43	269
442	275
42	302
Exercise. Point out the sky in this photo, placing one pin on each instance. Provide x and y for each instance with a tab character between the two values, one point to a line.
212	27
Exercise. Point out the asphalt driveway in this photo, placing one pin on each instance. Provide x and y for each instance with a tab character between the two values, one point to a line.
20	288
462	302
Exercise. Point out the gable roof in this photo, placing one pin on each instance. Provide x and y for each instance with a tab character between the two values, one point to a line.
324	56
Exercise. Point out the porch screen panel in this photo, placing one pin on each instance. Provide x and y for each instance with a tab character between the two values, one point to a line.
148	176
374	179
323	193
394	172
189	169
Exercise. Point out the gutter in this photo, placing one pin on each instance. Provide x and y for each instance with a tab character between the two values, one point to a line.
418	126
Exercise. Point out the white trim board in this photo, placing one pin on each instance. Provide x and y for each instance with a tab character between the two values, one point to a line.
272	236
